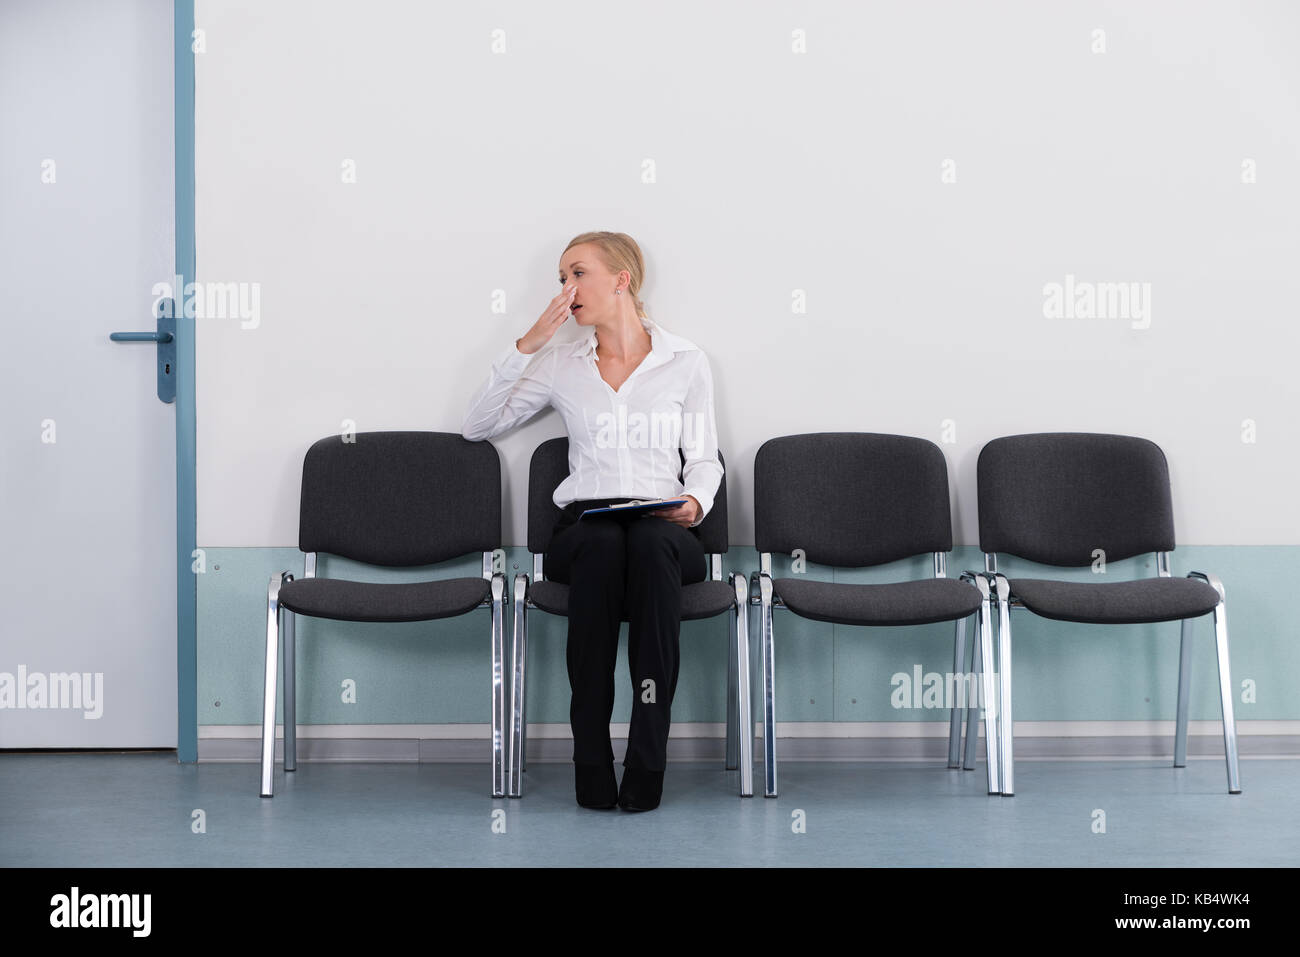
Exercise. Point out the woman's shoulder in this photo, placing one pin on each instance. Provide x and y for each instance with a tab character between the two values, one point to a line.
675	342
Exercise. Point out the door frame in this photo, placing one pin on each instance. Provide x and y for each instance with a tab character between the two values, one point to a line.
187	715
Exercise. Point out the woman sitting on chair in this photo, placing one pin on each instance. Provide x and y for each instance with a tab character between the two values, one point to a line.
632	394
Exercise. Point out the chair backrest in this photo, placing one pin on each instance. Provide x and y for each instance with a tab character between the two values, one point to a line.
550	466
400	498
851	499
1054	497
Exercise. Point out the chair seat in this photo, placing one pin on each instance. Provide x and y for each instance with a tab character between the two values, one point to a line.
699	600
897	603
1116	603
345	600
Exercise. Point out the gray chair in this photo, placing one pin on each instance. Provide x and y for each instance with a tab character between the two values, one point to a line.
713	596
397	499
858	499
1065	499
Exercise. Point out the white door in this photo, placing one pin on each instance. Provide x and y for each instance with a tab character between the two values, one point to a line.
87	461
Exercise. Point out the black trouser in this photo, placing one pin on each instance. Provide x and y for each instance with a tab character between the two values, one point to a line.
633	565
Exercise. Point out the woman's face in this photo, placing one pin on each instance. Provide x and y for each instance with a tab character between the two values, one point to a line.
594	299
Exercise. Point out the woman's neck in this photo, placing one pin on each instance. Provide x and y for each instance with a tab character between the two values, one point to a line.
627	340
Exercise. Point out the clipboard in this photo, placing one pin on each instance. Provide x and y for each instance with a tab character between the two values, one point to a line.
641	506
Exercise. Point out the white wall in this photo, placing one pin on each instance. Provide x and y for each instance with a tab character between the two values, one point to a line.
775	171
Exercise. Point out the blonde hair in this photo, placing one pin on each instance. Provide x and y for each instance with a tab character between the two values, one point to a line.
618	251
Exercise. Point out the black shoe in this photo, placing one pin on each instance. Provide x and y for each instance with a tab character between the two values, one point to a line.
596	785
641	789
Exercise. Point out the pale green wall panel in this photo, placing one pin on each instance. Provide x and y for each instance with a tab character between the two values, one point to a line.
438	672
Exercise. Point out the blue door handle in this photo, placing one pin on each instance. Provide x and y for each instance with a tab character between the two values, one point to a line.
165	338
140	336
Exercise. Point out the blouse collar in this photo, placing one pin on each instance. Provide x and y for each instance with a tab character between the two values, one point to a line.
662	342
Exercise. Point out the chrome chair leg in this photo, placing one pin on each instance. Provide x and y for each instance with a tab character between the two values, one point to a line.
983	664
732	682
992	707
1225	697
1184	692
1006	726
769	685
1225	680
523	704
744	717
270	682
973	703
981	651
519	658
954	719
290	697
498	686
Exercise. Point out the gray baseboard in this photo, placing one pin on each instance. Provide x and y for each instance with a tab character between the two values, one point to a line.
474	750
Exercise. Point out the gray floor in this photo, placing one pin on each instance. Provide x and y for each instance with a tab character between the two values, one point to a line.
136	809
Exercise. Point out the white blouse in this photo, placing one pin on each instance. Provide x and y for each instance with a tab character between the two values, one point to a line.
622	443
